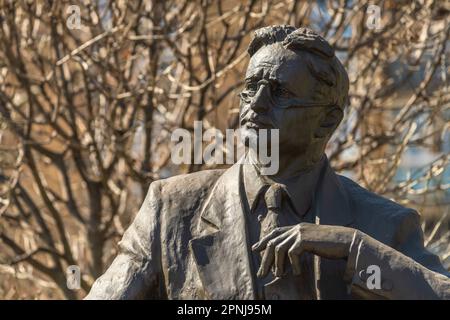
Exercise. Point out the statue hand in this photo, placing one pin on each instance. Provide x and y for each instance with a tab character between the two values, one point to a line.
332	242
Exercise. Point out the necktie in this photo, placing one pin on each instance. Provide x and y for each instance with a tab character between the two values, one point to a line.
280	214
273	198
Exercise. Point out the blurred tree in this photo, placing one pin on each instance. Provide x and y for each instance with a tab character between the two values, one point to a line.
90	92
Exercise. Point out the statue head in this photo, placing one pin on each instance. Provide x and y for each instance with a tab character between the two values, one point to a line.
294	83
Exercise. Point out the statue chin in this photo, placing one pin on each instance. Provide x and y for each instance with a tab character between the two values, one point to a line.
251	138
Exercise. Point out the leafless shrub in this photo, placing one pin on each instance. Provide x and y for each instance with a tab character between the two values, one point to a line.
86	114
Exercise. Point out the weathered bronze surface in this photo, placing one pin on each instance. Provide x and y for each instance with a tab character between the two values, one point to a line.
304	233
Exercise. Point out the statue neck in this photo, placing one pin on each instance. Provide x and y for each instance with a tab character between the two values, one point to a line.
290	165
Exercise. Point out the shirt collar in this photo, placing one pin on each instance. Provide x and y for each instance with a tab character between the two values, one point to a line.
300	188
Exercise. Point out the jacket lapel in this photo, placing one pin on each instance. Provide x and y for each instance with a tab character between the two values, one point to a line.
221	251
332	207
331	202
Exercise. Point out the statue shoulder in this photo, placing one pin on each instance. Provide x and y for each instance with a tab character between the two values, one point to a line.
185	187
381	218
369	204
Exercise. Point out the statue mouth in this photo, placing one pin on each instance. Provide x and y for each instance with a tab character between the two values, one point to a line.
256	123
256	126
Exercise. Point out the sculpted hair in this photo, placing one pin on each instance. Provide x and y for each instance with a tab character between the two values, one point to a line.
321	59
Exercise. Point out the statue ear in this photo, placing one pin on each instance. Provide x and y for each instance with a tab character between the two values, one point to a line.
330	120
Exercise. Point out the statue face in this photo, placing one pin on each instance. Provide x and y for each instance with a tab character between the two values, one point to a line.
279	94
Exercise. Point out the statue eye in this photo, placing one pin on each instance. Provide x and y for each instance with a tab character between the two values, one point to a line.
251	86
281	92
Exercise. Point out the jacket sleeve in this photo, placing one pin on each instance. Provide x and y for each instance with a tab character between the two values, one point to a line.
407	271
135	273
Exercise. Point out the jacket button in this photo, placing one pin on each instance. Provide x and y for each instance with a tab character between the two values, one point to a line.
363	275
275	296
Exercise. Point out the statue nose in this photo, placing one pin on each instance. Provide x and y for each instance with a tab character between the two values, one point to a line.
261	100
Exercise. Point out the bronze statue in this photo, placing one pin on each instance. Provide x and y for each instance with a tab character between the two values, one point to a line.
303	233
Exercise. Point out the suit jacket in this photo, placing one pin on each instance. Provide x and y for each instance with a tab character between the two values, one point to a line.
189	241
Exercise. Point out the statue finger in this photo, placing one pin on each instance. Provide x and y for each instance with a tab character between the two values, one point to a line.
262	243
294	254
280	254
269	254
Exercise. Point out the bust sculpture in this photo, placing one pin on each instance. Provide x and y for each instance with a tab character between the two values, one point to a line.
303	233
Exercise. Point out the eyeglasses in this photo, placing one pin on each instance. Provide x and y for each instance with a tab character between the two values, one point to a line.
279	96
